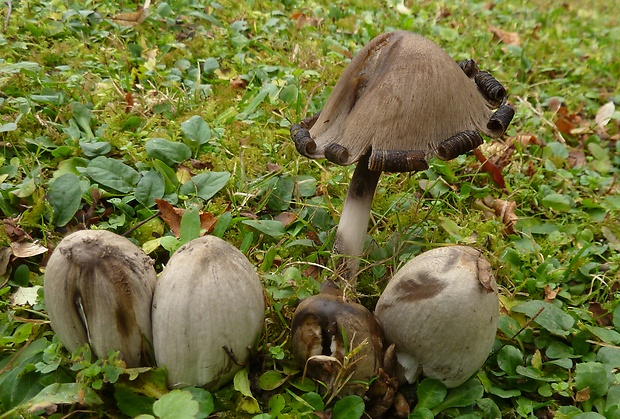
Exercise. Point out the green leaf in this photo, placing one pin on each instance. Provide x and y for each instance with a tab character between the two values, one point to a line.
508	358
271	228
349	407
558	202
609	356
190	225
430	393
270	380
205	185
177	404
168	152
95	148
150	188
592	375
466	394
314	399
204	399
288	94
64	393
421	413
132	403
282	193
551	318
65	197
9	126
113	174
606	335
82	116
196	130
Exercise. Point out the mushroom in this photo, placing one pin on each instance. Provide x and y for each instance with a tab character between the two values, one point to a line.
326	330
441	311
208	311
98	290
401	100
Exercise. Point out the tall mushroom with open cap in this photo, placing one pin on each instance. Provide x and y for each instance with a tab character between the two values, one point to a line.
401	100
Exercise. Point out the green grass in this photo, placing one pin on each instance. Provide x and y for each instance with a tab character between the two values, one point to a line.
76	88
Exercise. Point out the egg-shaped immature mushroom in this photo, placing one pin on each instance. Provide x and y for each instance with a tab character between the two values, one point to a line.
326	330
441	310
208	312
98	289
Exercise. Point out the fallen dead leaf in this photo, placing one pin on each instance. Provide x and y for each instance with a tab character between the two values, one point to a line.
25	296
27	249
133	18
550	294
576	158
602	316
172	217
5	258
505	211
603	116
583	395
238	83
14	231
273	167
508	38
286	218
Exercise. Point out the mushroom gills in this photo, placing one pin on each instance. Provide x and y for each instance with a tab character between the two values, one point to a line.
397	161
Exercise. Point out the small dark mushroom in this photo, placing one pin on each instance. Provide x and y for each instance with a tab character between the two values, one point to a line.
326	330
401	100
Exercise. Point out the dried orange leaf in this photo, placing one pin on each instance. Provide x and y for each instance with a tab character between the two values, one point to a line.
508	38
171	216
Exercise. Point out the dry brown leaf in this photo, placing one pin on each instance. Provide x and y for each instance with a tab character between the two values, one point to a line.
27	249
564	125
15	232
5	258
508	38
602	316
505	210
133	18
238	83
207	221
273	167
550	294
286	218
554	104
172	217
128	102
576	158
583	395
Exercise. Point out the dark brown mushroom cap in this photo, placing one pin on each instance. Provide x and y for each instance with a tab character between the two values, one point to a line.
404	98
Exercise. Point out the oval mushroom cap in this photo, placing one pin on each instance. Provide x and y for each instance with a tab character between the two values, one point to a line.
441	310
404	98
208	312
98	289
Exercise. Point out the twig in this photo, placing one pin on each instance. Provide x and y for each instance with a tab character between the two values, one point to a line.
9	5
527	324
141	223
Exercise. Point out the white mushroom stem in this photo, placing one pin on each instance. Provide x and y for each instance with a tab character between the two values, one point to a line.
351	233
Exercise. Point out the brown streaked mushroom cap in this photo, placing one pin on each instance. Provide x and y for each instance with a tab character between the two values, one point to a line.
404	98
